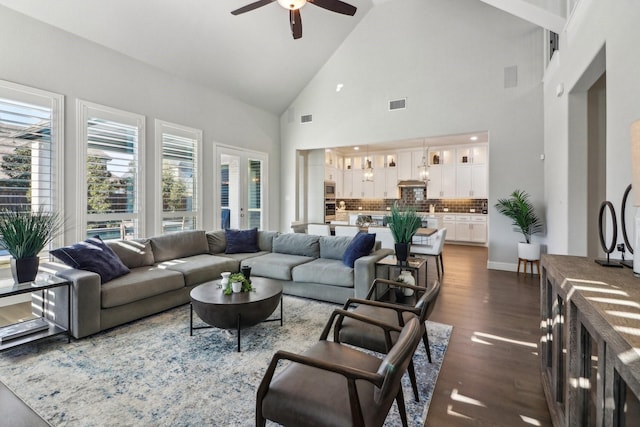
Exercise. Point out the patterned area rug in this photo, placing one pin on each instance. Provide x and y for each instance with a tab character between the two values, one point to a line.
151	372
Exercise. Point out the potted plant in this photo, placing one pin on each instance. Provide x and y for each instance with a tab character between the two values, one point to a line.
24	233
245	284
403	224
518	207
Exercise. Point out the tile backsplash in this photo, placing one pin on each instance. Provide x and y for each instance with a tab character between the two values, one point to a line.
422	205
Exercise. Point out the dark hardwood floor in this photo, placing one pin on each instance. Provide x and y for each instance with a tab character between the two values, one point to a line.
490	375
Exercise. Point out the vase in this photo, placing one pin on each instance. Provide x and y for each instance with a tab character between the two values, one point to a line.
402	251
246	272
406	277
225	279
24	269
236	287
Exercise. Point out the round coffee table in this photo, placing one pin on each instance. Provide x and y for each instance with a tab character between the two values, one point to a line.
238	309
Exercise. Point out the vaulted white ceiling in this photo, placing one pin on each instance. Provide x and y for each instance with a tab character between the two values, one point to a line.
251	57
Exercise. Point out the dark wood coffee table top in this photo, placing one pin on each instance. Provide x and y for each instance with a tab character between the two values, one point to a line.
220	310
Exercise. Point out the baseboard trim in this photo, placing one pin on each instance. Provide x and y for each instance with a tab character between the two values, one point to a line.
505	266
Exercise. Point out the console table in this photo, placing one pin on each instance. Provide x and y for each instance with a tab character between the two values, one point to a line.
590	342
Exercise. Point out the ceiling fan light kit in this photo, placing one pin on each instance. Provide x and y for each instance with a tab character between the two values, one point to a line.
294	6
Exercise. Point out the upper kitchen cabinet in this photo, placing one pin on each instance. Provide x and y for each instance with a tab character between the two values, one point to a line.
471	171
442	173
409	163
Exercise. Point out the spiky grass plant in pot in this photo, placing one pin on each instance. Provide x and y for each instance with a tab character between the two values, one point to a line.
403	224
24	233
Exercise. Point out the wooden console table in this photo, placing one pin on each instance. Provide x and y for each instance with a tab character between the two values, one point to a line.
590	342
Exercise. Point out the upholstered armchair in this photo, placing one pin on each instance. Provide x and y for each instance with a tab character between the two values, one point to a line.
332	384
365	336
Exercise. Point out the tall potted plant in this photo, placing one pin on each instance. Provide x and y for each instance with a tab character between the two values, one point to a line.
403	224
24	233
518	207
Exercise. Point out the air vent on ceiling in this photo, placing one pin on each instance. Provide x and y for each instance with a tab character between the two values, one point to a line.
398	104
307	118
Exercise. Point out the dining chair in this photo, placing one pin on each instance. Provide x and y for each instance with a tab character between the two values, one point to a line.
332	384
364	336
384	235
319	229
346	230
433	248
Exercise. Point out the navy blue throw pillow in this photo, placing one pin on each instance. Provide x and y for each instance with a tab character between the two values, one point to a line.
360	245
92	255
241	241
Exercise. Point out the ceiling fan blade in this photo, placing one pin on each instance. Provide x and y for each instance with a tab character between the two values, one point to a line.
296	23
335	6
252	6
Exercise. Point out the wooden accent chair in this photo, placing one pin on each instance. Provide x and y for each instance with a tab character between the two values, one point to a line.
332	384
365	336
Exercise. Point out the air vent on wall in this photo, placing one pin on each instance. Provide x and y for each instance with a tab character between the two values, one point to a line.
307	118
398	104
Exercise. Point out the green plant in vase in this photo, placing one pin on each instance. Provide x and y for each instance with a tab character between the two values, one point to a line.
238	277
403	224
25	233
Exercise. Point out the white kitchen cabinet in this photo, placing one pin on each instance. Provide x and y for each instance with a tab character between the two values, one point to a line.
357	187
404	165
442	174
471	172
347	184
391	183
449	222
470	228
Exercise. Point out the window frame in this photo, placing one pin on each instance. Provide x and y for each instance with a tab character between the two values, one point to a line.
84	110
31	95
163	127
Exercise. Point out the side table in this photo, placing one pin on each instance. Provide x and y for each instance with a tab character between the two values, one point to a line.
412	264
39	328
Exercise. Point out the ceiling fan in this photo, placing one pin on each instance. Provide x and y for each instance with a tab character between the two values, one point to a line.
294	7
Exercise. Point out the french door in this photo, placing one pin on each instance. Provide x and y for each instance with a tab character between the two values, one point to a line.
242	188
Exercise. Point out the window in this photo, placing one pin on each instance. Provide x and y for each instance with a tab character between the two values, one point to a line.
31	127
179	177
111	163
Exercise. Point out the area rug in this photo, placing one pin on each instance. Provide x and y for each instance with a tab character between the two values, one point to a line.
152	373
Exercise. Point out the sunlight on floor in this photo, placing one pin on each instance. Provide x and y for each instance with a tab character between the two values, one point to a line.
530	420
464	399
481	337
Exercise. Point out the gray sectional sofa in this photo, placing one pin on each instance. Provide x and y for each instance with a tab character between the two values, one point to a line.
164	269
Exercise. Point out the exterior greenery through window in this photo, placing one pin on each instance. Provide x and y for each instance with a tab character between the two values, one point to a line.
29	129
180	177
112	171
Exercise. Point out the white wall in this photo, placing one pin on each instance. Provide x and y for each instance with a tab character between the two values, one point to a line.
38	55
596	30
447	58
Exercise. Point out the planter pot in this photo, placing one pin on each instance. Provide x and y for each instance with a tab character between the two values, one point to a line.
402	251
236	287
529	251
24	269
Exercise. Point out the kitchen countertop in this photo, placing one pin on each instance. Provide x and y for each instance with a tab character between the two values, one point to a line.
363	212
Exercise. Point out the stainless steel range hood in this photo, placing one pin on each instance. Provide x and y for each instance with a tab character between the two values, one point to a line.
412	183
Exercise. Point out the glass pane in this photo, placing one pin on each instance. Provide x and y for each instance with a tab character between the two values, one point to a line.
255	194
172	224
112	229
178	174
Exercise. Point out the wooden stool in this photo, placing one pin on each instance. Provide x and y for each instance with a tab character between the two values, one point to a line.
532	262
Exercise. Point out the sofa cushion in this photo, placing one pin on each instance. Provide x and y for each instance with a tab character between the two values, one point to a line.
333	247
326	271
274	265
265	240
133	253
92	255
360	245
241	241
141	283
179	245
241	257
217	241
201	268
297	244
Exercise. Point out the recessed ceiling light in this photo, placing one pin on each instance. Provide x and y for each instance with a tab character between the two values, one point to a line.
339	87
356	148
474	138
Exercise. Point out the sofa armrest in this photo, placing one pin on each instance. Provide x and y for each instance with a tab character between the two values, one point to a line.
85	297
364	271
